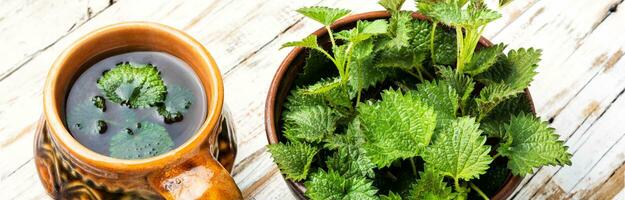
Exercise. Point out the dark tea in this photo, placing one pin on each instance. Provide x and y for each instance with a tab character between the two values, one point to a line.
135	105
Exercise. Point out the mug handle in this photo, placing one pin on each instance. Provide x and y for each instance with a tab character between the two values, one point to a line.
200	177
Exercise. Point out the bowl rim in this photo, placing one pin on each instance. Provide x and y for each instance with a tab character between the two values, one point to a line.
61	135
272	118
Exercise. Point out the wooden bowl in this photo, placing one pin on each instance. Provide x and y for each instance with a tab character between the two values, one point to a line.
292	65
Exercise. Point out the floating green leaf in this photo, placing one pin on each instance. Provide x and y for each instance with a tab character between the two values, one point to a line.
86	118
176	103
139	86
147	141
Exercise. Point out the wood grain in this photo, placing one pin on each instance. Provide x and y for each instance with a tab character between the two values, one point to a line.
579	88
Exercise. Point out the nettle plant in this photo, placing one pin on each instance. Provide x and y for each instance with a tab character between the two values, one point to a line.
416	111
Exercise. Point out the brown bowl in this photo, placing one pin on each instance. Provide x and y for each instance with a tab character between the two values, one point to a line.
292	65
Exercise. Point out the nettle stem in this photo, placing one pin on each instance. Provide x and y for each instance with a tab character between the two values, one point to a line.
477	189
432	34
331	36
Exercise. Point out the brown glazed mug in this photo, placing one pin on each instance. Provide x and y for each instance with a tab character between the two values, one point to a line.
69	170
292	65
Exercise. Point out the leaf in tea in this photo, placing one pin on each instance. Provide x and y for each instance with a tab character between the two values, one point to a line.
139	86
86	118
176	103
147	141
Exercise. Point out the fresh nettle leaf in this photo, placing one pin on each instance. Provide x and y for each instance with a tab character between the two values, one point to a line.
430	186
147	141
484	59
363	73
354	136
311	124
392	5
443	49
331	185
139	86
351	161
532	143
315	68
491	96
86	118
462	84
468	18
516	70
441	96
176	103
403	132
323	15
294	159
459	151
391	196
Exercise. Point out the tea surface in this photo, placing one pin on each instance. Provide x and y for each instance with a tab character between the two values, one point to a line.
117	128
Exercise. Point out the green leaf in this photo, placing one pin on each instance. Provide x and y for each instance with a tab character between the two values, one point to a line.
293	159
298	98
391	196
454	13
331	185
532	143
308	42
462	84
323	15
139	86
147	141
363	74
405	129
311	123
421	30
484	59
176	103
392	5
494	124
441	96
491	96
445	49
317	67
459	151
351	161
400	28
430	186
516	70
84	119
323	86
353	137
363	31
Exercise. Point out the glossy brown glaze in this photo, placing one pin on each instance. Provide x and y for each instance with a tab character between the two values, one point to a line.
66	167
292	65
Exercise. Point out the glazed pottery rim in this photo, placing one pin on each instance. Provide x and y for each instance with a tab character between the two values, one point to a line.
271	119
62	136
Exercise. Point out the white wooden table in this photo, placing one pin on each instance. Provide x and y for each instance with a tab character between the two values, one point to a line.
579	88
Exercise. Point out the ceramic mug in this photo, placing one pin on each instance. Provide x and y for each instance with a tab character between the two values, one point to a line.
69	170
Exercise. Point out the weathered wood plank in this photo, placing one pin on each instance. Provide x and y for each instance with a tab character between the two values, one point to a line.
29	27
587	77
